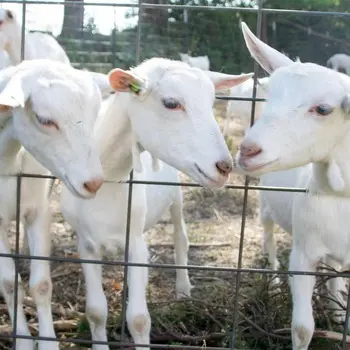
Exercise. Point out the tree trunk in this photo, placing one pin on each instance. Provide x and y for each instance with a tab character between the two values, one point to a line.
73	20
156	17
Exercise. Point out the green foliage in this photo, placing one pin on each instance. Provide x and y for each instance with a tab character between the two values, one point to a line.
218	35
90	26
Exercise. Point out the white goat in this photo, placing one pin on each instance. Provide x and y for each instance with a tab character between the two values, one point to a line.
304	125
339	61
243	109
37	45
276	207
201	62
5	60
50	108
170	115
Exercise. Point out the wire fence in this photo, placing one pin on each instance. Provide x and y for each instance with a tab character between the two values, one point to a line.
237	271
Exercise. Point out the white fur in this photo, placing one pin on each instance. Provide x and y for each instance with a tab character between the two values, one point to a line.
5	60
339	61
243	109
72	99
37	45
302	148
127	125
201	62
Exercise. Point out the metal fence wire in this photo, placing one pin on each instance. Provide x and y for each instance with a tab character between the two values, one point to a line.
237	271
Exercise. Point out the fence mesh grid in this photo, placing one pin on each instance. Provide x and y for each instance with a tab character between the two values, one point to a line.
246	187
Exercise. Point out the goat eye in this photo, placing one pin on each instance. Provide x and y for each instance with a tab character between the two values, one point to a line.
47	122
171	103
322	109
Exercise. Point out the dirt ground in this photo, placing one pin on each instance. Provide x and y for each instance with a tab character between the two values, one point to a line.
213	221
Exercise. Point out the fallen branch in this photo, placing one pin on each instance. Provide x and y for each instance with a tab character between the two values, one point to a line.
56	309
192	245
319	333
62	325
263	331
171	336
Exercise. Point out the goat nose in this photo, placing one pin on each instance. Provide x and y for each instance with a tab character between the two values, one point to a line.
92	186
224	167
249	149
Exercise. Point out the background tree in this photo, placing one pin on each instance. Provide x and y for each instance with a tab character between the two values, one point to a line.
165	33
157	18
218	34
73	20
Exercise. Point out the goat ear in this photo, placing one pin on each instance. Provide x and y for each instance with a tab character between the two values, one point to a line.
102	81
15	94
263	84
126	81
268	58
223	81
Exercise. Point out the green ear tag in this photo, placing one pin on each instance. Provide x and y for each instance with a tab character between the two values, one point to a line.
135	87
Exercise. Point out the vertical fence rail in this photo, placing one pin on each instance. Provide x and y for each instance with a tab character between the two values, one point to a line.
131	177
16	261
245	195
18	210
126	263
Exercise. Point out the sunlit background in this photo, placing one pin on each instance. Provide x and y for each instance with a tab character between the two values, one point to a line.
50	17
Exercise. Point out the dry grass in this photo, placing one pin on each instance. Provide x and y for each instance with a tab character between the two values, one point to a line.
213	221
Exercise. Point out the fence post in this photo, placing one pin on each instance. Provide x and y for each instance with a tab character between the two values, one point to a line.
114	46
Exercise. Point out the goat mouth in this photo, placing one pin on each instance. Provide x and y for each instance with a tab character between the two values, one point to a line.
254	168
212	181
74	190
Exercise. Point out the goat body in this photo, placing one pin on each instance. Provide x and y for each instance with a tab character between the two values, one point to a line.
243	109
339	61
201	62
36	217
282	208
54	126
37	45
153	118
303	127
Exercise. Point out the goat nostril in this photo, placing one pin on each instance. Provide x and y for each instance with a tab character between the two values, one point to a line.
93	186
224	167
250	149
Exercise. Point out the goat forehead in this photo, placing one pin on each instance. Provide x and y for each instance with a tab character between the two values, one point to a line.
59	101
185	83
304	87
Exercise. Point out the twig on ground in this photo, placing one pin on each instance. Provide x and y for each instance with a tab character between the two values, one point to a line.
319	333
57	309
192	245
171	336
59	326
263	331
